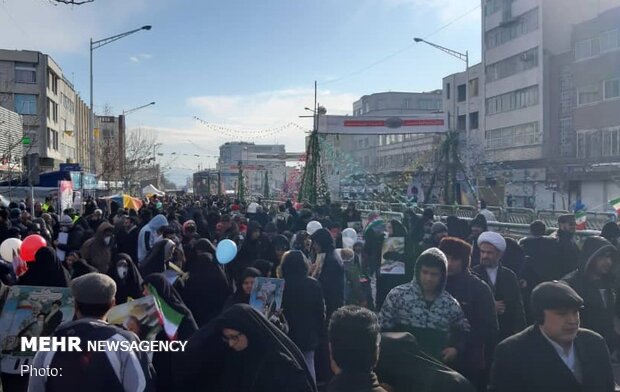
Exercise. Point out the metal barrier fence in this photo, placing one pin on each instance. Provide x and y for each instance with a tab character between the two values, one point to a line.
512	221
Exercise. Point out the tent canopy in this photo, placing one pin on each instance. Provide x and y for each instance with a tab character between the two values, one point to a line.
150	190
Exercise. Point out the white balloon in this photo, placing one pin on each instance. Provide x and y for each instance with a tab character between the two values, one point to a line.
348	242
9	246
313	226
349	233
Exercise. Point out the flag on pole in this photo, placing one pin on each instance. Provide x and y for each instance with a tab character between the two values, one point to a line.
615	203
580	220
170	318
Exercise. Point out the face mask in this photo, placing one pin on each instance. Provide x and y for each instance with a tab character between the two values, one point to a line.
122	272
107	240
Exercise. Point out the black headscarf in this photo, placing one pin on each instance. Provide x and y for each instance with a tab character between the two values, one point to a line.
46	270
240	297
155	260
398	230
271	361
206	288
131	285
325	240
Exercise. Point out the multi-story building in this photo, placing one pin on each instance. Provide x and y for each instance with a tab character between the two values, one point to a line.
520	40
82	133
382	156
33	85
258	162
11	142
584	143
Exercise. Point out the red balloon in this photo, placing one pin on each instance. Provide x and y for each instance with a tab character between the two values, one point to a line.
30	246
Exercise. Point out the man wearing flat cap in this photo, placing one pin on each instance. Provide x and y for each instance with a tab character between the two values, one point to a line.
503	283
83	371
554	354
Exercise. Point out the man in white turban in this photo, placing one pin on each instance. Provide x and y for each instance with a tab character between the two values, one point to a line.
503	283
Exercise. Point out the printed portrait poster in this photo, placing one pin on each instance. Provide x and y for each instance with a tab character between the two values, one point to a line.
141	316
30	311
393	256
266	296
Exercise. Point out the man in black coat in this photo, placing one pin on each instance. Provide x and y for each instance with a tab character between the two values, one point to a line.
503	283
594	282
568	251
554	354
476	300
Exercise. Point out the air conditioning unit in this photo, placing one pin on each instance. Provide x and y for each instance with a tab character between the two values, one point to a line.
525	57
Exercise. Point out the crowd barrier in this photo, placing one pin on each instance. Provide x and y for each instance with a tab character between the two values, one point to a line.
511	221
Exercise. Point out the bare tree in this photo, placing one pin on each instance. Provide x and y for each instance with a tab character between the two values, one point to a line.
140	147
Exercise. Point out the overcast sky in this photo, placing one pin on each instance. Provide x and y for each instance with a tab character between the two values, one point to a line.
240	64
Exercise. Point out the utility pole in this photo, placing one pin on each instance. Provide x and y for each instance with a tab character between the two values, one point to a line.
313	187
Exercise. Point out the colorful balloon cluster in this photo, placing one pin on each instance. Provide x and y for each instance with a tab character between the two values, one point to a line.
25	249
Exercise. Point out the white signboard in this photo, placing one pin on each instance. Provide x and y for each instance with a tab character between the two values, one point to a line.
385	125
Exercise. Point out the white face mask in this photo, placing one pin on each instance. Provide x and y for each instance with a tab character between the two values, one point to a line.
107	240
122	272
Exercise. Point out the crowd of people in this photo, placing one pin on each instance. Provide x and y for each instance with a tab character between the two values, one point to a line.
471	311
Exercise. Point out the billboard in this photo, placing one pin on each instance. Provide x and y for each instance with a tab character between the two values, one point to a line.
382	125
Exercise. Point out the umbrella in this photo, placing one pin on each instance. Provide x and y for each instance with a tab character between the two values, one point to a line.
127	201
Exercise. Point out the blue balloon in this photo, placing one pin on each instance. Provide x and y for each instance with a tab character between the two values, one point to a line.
226	251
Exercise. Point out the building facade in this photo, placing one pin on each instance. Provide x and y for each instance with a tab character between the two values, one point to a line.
520	41
263	165
11	145
585	114
33	85
379	158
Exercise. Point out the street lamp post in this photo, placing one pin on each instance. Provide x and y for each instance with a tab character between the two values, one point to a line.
95	45
463	57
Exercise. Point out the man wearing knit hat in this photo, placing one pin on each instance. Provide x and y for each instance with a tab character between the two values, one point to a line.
554	354
81	371
503	283
425	309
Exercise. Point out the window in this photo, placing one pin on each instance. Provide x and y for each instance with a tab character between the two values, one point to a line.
512	65
589	94
52	110
52	139
473	88
587	48
612	89
513	100
523	25
460	124
429	104
461	93
52	81
26	103
448	91
406	103
610	40
610	142
493	6
473	120
519	135
25	73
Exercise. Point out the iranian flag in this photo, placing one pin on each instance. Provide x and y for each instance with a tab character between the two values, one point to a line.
170	318
615	203
580	220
